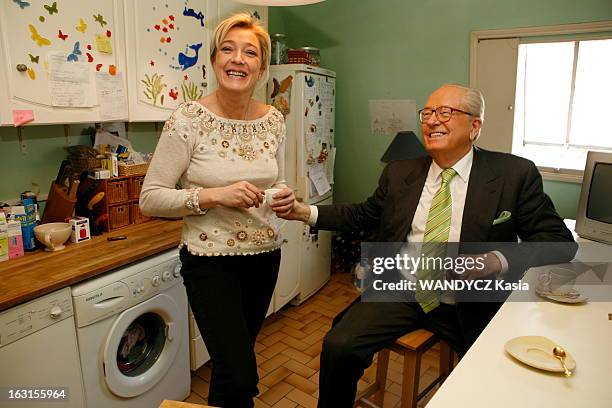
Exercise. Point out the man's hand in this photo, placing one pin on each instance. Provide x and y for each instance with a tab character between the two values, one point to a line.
283	202
293	210
477	266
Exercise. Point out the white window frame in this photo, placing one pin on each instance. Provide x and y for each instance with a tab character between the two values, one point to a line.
529	35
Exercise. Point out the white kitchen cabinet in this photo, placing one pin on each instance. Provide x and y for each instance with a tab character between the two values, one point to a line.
159	47
167	53
58	46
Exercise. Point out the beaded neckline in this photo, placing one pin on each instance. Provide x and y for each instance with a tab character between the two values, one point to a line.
227	120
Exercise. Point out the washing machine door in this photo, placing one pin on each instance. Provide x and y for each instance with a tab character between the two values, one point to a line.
142	345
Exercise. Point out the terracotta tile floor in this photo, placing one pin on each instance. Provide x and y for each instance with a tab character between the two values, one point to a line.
288	349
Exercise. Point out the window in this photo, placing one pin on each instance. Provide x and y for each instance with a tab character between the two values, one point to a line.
546	93
562	99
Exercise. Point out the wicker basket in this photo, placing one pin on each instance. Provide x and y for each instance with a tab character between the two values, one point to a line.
132	169
80	164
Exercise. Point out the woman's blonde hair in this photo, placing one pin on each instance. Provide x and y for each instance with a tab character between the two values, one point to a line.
247	21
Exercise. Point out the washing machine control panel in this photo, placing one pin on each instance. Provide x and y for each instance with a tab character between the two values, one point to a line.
149	282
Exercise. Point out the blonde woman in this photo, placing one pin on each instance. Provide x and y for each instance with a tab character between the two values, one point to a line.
225	150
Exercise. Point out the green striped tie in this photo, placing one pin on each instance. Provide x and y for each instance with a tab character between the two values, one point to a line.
437	229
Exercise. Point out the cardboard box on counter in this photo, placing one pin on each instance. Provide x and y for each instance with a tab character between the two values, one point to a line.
15	240
80	229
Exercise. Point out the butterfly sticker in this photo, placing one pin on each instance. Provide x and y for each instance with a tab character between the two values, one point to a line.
73	56
40	40
21	4
99	19
34	58
62	36
82	26
52	9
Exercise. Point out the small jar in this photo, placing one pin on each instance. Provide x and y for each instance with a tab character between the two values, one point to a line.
279	49
314	57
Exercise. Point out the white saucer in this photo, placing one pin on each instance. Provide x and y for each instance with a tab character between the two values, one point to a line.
562	299
536	351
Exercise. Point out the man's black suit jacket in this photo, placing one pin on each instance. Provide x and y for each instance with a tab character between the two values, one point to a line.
498	182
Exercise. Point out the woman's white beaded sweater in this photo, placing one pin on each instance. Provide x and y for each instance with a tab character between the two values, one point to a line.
198	149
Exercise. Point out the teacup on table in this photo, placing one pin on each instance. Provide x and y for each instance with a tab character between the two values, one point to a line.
557	281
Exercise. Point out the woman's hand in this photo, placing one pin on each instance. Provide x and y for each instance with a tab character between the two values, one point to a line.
241	194
283	202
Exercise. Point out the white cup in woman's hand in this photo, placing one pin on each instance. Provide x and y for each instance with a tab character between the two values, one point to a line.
269	193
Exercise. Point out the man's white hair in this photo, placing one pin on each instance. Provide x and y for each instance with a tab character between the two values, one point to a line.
472	102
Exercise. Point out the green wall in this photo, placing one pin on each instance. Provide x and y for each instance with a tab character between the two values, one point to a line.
400	49
45	151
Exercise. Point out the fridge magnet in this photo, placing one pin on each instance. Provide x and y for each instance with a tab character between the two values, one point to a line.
34	59
309	81
74	55
191	13
88	47
103	44
191	92
40	40
152	63
89	57
108	33
99	67
52	9
82	26
256	15
112	70
99	18
153	87
21	4
62	36
173	94
41	19
31	74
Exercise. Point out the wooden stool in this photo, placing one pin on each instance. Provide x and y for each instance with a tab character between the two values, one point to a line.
411	346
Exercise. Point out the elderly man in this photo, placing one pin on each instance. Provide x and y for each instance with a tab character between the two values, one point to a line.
456	195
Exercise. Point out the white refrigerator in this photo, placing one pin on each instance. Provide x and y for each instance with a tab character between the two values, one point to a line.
306	97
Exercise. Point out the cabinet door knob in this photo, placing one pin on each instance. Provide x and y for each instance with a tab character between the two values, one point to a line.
22	67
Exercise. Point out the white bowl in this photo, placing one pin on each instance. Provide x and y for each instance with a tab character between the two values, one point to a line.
53	235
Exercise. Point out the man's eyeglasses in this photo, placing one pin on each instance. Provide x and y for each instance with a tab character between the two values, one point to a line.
443	113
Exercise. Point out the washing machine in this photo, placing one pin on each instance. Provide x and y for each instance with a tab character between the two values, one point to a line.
133	334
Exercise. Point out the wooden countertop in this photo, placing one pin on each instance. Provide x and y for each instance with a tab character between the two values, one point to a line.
40	272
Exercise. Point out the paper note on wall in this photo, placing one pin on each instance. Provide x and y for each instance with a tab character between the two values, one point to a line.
69	83
22	116
316	173
103	44
388	117
111	96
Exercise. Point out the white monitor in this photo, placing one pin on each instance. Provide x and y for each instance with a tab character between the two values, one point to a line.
594	218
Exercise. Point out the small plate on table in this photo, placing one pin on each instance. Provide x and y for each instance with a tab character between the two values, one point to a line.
537	351
577	298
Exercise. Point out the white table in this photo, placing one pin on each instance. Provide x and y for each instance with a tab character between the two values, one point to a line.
488	377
